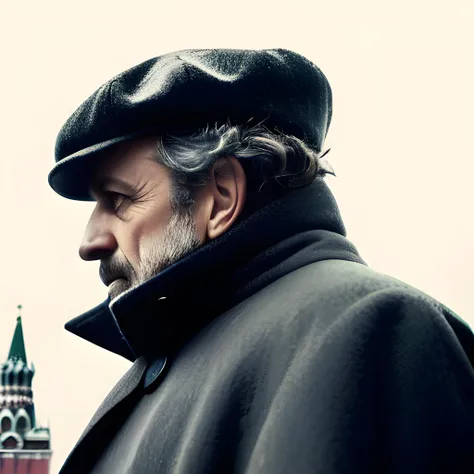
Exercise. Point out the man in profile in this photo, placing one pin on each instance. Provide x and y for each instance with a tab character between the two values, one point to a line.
261	341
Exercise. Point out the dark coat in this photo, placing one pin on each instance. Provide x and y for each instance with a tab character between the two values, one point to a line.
277	350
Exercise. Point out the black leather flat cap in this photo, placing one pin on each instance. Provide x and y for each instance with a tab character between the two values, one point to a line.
184	91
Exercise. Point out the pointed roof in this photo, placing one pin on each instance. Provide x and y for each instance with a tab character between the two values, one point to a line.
17	349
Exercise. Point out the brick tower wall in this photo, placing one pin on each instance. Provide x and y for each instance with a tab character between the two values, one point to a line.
19	462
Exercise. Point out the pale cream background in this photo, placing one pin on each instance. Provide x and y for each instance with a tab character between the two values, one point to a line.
402	74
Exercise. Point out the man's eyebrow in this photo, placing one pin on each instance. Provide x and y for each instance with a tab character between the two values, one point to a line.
100	184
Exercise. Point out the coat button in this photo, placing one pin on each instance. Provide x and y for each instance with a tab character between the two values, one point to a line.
153	372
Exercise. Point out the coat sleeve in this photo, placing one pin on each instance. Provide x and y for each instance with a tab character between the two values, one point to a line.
387	387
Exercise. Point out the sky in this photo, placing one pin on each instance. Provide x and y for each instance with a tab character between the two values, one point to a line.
401	140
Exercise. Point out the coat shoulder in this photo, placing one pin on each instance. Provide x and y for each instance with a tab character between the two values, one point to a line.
332	289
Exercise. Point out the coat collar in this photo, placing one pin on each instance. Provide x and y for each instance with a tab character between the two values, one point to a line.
218	275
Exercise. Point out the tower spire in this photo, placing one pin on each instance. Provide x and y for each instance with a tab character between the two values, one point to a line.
24	446
17	348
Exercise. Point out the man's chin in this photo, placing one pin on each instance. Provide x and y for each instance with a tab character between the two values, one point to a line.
117	287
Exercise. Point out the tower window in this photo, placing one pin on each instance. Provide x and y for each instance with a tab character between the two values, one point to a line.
10	443
6	424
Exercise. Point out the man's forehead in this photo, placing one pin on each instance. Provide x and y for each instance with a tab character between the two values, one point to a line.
128	151
125	158
126	175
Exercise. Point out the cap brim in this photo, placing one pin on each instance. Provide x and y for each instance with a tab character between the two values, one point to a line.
71	177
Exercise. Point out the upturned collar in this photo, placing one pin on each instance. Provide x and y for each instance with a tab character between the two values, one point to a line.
157	316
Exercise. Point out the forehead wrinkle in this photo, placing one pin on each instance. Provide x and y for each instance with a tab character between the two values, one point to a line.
99	184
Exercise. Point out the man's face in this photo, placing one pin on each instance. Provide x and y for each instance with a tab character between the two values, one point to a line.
133	229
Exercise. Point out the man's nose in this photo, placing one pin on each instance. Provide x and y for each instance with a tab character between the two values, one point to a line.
98	242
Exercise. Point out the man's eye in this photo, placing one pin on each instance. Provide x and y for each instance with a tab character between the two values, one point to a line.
116	201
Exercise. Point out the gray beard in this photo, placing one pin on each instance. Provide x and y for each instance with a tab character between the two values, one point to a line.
178	239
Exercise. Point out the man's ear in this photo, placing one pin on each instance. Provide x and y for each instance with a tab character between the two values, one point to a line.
227	185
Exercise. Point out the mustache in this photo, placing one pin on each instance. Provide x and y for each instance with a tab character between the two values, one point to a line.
111	268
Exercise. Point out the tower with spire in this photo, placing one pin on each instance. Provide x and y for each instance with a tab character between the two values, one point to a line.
24	447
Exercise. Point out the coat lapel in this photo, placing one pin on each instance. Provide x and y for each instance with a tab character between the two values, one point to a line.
124	387
121	390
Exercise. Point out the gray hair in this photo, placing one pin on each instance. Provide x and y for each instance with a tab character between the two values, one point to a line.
268	158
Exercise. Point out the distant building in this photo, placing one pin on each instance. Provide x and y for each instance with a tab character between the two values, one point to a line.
24	447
